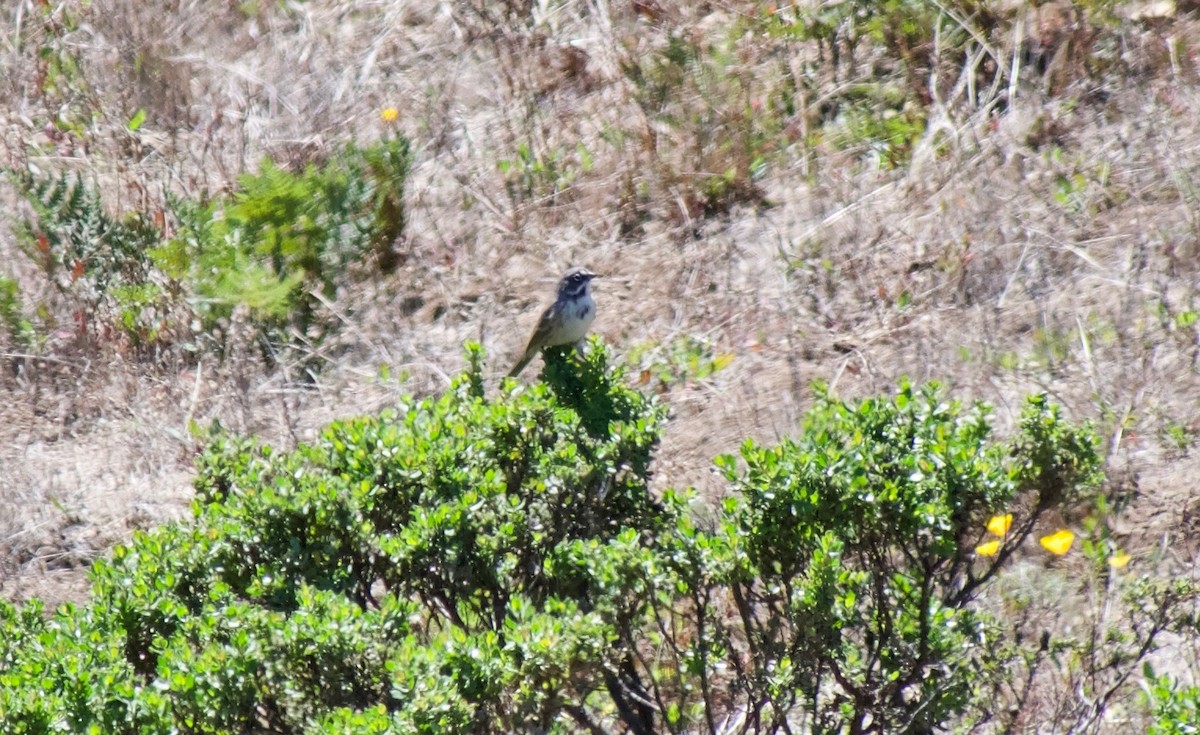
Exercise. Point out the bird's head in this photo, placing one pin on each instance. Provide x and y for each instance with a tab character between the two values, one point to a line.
575	283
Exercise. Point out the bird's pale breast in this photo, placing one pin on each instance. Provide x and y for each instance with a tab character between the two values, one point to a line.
576	323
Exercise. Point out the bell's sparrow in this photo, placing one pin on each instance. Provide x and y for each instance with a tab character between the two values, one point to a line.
564	322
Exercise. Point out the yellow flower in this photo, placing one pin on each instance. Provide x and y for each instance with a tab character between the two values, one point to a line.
988	548
389	114
1118	560
999	525
1058	543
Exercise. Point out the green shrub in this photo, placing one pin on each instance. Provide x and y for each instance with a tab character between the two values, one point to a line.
99	263
859	539
466	564
834	589
284	241
1174	707
401	565
280	244
69	674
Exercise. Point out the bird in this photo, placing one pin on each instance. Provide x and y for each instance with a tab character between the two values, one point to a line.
564	322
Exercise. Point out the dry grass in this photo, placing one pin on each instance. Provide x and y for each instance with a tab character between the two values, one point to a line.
1026	248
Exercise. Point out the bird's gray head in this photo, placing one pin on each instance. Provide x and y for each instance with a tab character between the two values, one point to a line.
575	283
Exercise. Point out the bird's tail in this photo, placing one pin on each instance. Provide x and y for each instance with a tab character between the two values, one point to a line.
520	365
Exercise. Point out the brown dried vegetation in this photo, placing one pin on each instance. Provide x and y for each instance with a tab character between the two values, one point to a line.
1008	207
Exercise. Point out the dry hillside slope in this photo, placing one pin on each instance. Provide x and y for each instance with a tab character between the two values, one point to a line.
1034	232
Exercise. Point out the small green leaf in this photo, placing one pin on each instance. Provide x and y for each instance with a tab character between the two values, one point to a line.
138	118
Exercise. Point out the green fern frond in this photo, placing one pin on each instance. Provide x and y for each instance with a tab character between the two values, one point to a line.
76	240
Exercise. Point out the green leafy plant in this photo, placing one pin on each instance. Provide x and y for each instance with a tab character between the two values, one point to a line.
401	565
1179	437
857	566
1175	708
533	176
882	121
79	245
475	564
57	72
284	241
99	263
684	359
12	318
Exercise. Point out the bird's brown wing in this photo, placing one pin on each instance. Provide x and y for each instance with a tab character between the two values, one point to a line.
537	340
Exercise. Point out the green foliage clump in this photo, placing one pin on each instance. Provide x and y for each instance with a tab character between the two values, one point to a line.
859	536
533	176
70	674
98	262
284	240
466	564
686	358
12	318
1175	708
77	241
279	245
404	573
